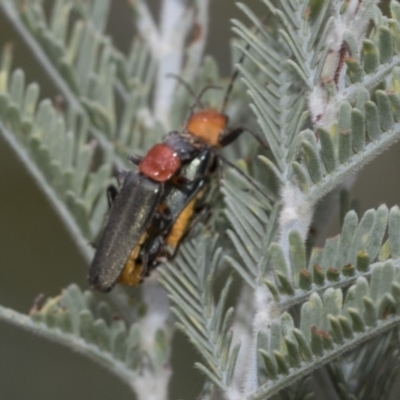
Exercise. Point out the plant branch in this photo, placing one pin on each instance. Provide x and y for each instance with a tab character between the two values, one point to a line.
266	390
53	73
176	21
152	384
147	26
354	164
56	203
286	302
71	341
38	52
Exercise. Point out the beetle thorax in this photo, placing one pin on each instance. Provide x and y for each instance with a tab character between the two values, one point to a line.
207	125
160	163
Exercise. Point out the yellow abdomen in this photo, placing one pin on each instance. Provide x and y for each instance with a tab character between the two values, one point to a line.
182	222
131	275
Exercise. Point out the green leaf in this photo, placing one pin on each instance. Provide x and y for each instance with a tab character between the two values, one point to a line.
208	330
341	330
87	335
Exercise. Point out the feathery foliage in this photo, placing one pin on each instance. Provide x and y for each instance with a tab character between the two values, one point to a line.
204	320
76	320
323	80
56	153
329	327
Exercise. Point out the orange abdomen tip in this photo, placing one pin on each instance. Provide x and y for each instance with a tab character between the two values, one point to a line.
207	125
160	163
131	275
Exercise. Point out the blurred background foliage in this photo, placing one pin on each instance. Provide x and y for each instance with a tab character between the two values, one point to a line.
38	256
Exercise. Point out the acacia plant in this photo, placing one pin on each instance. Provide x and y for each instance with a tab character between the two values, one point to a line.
322	79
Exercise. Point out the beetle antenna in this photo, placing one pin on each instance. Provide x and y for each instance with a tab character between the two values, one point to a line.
236	73
252	181
188	88
233	79
205	88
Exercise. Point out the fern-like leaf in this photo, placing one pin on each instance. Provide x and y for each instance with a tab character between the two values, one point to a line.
354	253
85	66
57	154
277	102
205	321
329	326
73	319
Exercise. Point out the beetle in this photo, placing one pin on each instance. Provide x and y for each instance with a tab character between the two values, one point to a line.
205	132
157	205
125	228
183	205
143	220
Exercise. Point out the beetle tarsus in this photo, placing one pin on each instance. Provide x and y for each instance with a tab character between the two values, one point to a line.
121	175
112	193
134	159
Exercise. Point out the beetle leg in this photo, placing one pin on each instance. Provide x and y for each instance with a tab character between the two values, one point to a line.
111	195
164	219
149	254
145	264
134	159
229	136
252	181
186	185
220	170
120	175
